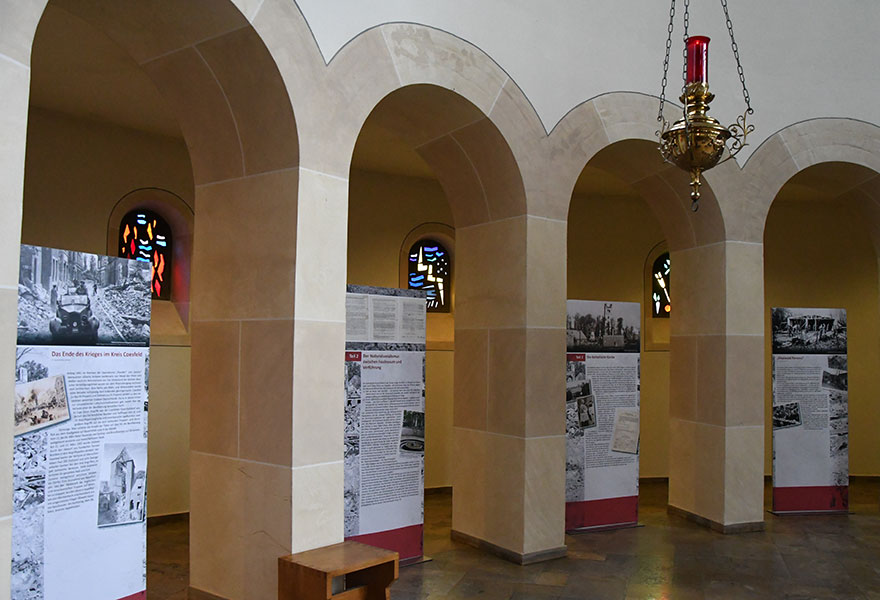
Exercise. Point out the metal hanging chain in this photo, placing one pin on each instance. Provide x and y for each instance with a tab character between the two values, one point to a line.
666	61
739	69
684	52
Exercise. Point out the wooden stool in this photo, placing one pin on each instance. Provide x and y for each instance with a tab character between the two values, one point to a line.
367	571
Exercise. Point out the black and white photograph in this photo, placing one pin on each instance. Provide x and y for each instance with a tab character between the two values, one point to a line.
837	404
572	418
839	444
576	371
574	466
79	299
352	492
40	403
122	483
838	362
835	380
412	434
808	330
787	415
28	510
587	411
594	326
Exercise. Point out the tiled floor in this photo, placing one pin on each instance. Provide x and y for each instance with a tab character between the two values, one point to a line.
669	558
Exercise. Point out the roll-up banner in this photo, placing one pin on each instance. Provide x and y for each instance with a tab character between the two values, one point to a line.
385	418
80	427
602	415
810	411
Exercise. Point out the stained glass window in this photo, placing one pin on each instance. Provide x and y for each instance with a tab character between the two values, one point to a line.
429	270
660	301
145	236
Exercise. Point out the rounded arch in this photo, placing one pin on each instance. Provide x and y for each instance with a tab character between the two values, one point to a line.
798	147
406	58
615	132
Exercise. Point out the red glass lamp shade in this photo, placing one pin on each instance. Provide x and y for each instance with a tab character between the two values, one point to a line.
698	59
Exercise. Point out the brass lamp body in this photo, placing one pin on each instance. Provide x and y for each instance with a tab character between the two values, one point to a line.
695	142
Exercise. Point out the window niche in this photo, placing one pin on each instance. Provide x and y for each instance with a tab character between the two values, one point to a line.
657	299
145	236
429	249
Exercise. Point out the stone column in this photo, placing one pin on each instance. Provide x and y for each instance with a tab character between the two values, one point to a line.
509	479
716	462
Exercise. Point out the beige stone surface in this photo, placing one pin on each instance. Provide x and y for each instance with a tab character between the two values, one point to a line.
744	285
19	22
318	395
266	531
627	115
317	505
216	518
243	259
5	555
489	488
214	408
156	27
13	121
201	108
239	526
471	378
682	377
321	224
696	469
496	167
545	382
507	381
423	55
461	182
344	94
711	372
700	286
744	478
266	391
491	290
257	97
546	272
544	505
744	380
8	331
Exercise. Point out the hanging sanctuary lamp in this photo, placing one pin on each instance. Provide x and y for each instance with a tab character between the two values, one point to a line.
696	142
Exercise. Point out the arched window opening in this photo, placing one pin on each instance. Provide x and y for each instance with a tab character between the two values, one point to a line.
660	300
429	271
146	236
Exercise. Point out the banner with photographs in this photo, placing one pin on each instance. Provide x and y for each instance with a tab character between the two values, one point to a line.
602	414
810	410
385	418
80	427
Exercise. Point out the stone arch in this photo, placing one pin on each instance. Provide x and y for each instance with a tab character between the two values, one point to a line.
796	148
616	132
220	75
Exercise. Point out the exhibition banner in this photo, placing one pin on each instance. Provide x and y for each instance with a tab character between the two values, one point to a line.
602	414
80	427
810	410
385	418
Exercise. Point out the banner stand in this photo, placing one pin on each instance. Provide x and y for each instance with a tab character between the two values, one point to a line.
810	414
602	415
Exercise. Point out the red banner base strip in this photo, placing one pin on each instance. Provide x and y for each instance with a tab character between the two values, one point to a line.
406	541
608	512
827	498
139	596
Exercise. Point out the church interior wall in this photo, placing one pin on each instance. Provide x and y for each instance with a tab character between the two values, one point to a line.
75	173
